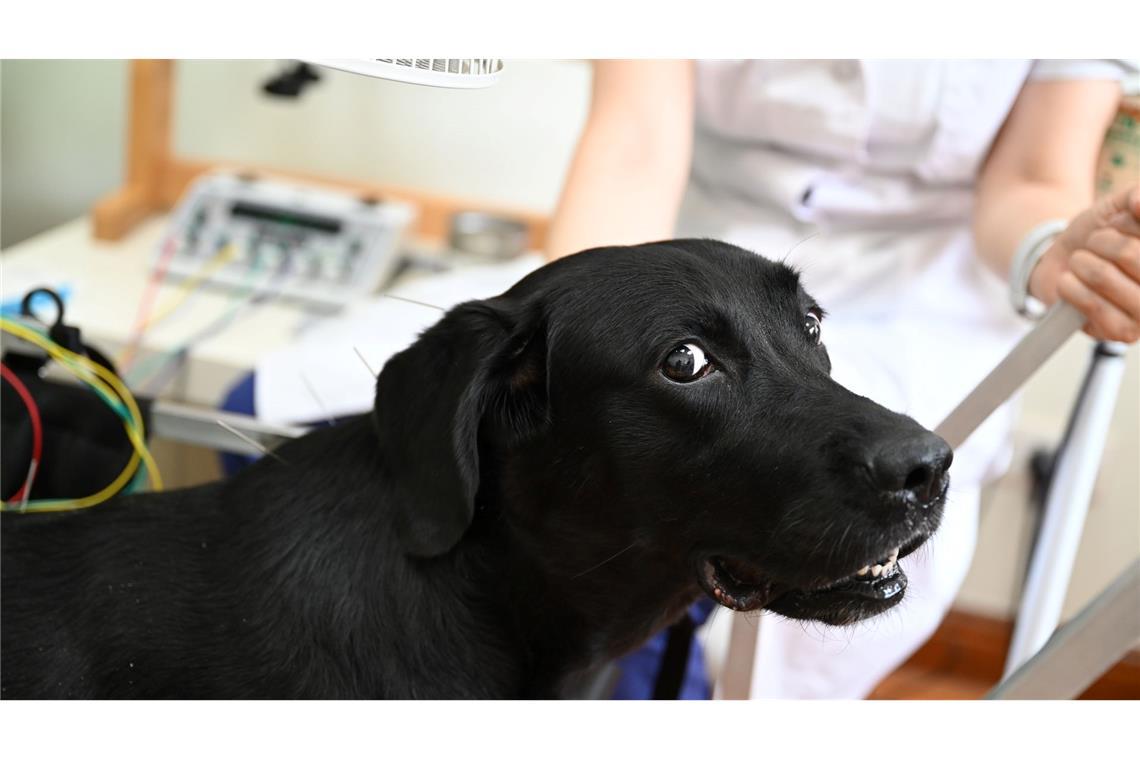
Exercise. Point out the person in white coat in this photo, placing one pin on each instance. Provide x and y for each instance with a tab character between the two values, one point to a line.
925	203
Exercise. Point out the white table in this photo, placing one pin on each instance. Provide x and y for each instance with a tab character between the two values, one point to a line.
107	281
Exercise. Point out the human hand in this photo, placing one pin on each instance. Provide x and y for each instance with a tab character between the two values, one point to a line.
1095	266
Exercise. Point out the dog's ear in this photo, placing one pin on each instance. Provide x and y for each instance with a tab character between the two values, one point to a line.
482	366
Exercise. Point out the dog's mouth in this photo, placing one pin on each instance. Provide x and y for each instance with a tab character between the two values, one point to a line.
743	585
736	584
877	581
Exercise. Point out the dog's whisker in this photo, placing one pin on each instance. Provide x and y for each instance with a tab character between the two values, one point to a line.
837	546
367	366
604	561
797	245
412	300
823	536
260	447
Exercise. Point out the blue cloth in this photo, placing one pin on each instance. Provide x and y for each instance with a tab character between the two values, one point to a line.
638	670
240	401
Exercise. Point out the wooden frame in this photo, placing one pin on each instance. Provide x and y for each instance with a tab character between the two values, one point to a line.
156	178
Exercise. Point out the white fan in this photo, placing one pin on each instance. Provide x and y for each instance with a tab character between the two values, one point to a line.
466	73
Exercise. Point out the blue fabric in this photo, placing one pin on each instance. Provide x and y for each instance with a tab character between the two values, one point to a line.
240	401
638	670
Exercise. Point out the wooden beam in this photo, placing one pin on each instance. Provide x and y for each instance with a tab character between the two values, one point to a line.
148	150
117	214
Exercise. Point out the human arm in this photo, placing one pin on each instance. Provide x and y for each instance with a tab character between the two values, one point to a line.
632	161
1041	167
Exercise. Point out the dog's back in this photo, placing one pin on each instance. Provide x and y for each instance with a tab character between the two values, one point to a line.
279	583
90	598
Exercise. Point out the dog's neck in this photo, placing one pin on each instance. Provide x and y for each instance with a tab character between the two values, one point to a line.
560	625
582	596
525	601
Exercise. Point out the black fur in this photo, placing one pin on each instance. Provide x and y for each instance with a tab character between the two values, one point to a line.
530	498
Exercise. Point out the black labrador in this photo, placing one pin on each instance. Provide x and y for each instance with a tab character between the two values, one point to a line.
548	478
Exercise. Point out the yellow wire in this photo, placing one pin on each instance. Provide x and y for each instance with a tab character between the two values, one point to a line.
189	285
65	356
135	433
124	477
186	289
66	505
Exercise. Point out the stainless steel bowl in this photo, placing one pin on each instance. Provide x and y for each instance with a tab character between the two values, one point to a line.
486	236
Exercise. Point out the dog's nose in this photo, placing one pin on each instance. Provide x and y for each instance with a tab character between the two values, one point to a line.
916	463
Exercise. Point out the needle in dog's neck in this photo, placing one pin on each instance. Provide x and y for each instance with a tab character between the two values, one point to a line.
395	298
260	447
320	402
412	300
367	366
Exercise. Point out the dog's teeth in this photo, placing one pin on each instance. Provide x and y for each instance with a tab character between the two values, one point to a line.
876	570
895	554
864	570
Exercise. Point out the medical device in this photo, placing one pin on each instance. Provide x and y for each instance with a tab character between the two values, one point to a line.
328	247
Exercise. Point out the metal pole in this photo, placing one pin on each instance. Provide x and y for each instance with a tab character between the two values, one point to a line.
1066	505
1082	649
1032	351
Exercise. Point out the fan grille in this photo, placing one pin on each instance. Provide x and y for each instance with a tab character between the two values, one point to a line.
438	72
462	66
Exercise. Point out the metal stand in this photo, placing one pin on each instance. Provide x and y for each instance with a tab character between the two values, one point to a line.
1082	649
1066	504
1019	365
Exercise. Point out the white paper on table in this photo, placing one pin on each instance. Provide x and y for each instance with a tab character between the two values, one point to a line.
320	376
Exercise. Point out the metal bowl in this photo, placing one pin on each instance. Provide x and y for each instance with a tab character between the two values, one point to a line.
486	236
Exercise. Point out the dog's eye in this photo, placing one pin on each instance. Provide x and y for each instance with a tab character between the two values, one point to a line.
686	363
813	326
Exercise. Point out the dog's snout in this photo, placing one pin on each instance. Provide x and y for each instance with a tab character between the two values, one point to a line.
916	464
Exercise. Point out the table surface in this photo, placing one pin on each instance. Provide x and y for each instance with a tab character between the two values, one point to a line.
106	282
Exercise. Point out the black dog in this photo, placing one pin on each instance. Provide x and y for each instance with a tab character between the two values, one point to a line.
549	477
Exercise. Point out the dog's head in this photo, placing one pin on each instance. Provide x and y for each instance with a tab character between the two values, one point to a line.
657	418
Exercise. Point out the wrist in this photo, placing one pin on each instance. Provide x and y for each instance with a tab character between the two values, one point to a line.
1028	255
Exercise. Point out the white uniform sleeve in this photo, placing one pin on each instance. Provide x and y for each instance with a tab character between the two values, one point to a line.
1116	69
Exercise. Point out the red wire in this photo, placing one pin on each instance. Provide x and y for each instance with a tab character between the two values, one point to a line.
146	303
34	415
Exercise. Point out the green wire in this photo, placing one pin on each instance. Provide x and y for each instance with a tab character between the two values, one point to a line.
241	300
117	407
